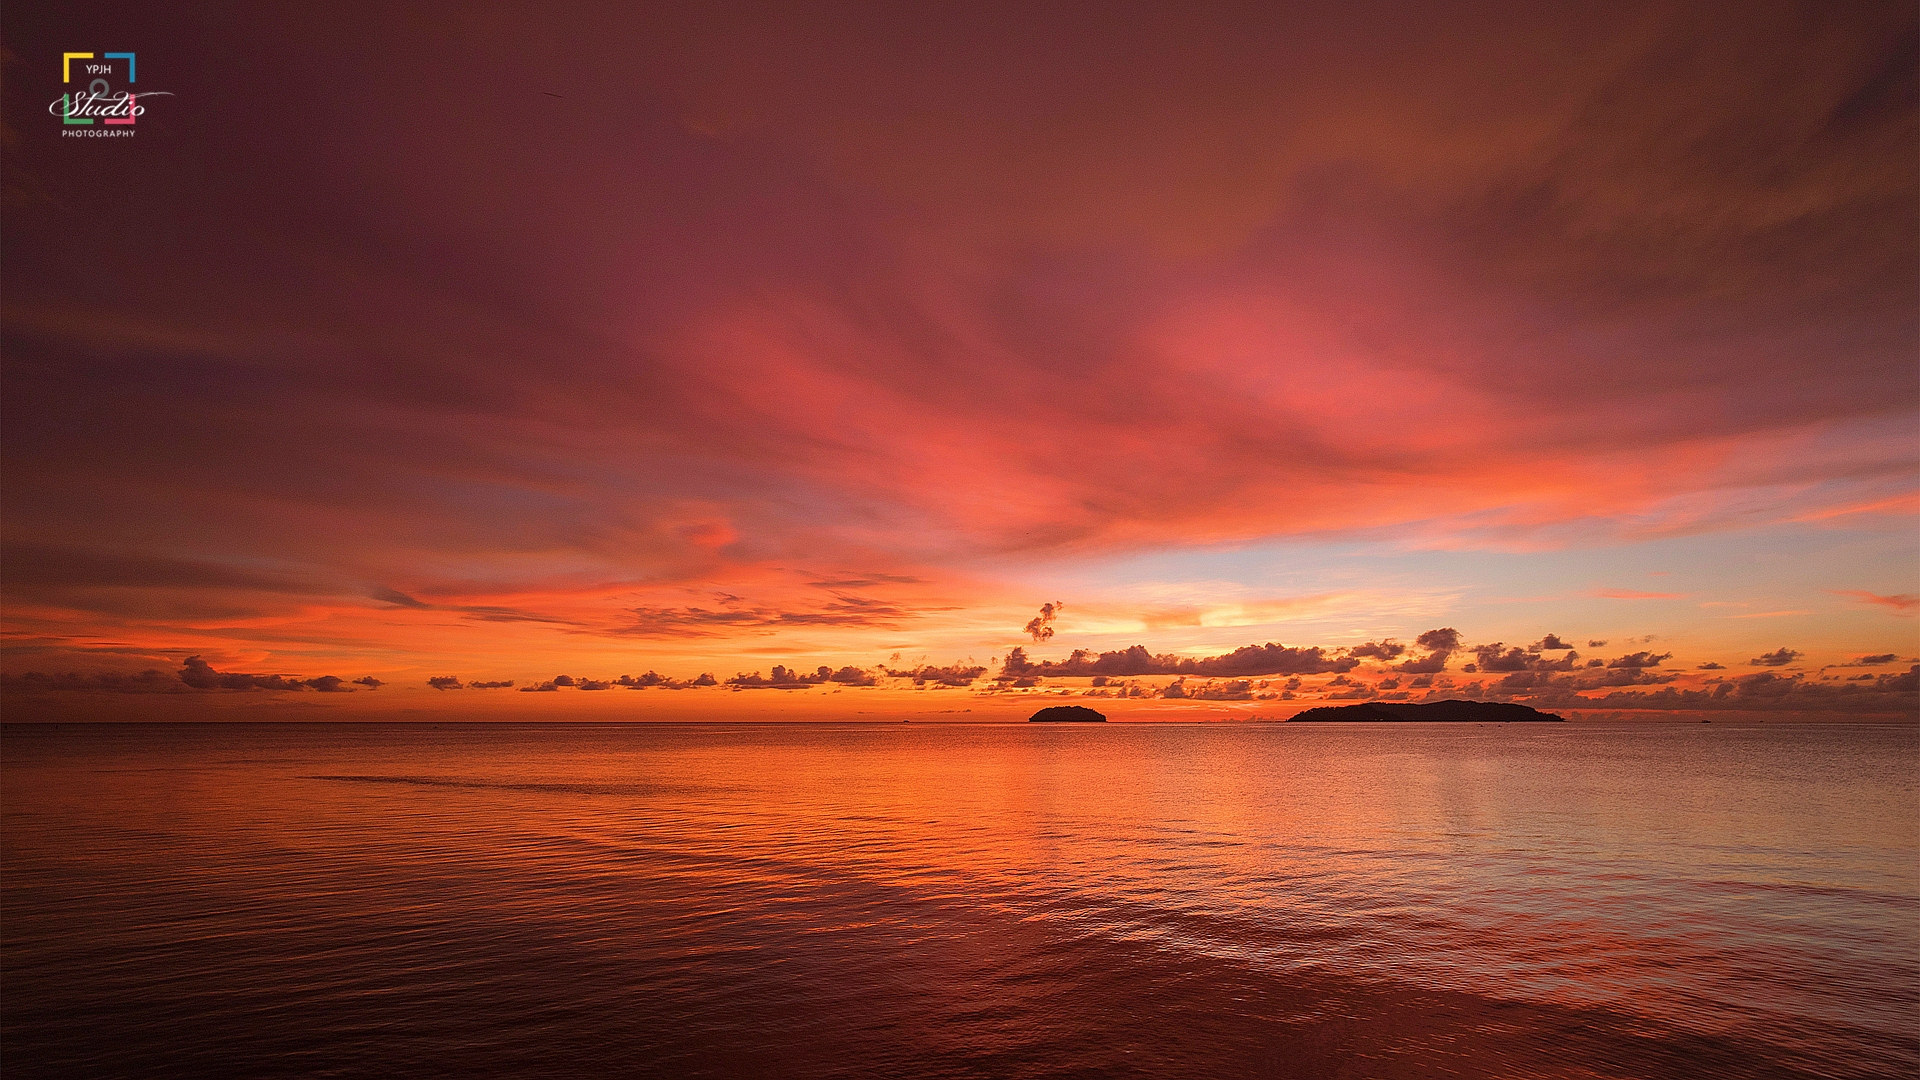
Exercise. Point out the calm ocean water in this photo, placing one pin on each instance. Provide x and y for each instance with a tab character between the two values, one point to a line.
973	900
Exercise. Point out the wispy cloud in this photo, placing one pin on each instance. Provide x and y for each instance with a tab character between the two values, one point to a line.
1899	603
691	622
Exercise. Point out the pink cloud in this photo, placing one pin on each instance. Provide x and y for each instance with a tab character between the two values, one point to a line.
1899	603
1168	303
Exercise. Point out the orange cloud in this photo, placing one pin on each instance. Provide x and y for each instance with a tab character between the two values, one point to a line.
858	323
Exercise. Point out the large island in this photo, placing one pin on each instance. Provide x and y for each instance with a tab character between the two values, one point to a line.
1067	714
1456	711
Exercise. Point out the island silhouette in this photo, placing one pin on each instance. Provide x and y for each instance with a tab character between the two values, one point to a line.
1067	714
1451	710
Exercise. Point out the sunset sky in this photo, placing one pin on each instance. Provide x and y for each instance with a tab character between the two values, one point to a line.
487	344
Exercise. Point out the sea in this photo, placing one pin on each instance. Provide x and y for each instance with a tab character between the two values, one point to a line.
960	900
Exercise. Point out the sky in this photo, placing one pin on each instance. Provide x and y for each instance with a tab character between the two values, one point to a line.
807	361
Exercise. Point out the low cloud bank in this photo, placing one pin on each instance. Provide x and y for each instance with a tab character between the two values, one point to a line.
1766	691
200	675
150	681
1549	673
784	678
955	674
1268	659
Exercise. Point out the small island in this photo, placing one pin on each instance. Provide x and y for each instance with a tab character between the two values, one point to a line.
1067	714
1451	711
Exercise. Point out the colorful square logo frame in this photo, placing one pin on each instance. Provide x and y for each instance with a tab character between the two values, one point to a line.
66	76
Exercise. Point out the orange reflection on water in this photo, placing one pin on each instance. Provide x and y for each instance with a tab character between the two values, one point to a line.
1732	884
